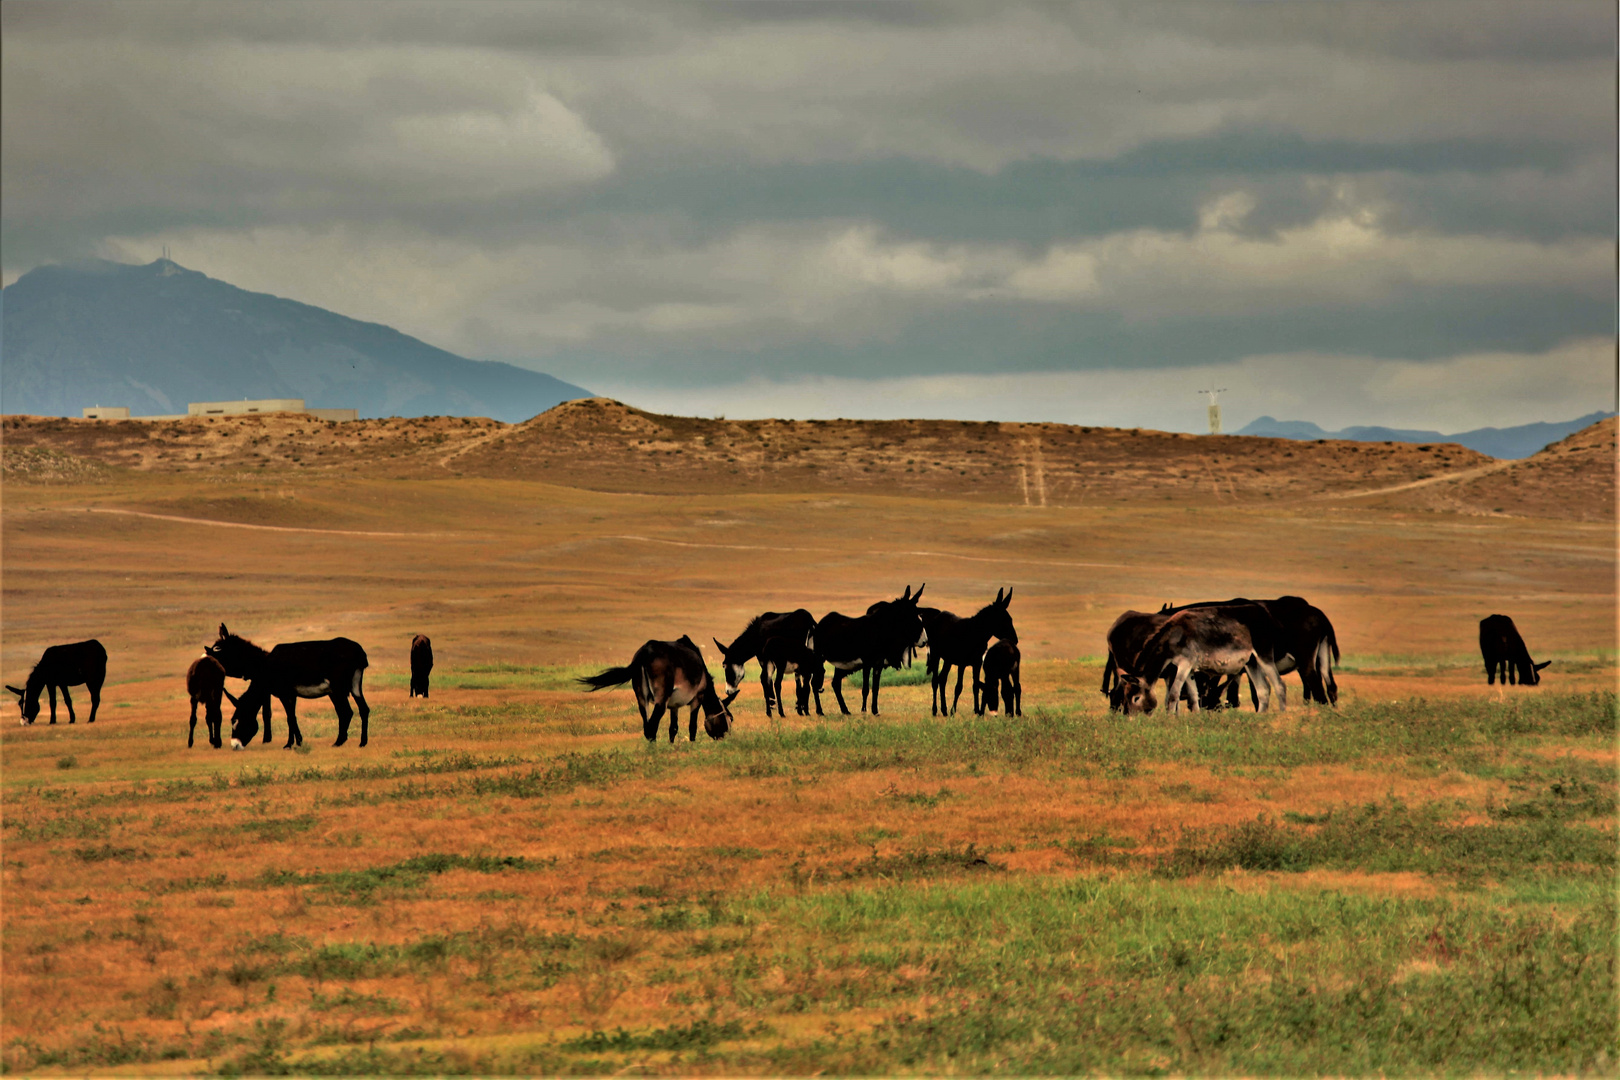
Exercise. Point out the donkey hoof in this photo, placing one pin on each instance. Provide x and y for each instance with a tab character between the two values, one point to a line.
341	741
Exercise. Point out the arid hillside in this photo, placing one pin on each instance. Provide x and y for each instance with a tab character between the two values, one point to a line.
1573	478
604	445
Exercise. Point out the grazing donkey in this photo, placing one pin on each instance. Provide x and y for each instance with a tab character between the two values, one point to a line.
333	669
884	637
1506	654
1125	640
240	663
670	674
59	667
960	643
1306	643
1211	640
421	664
784	624
205	682
1001	679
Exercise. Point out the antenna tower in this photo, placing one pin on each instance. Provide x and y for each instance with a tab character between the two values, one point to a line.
1214	409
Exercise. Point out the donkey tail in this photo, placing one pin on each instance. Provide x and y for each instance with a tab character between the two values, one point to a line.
613	676
1333	640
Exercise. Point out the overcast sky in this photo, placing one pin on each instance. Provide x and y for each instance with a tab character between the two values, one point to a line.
1398	213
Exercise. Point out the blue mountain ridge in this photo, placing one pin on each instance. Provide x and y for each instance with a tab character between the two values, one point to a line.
157	336
1506	443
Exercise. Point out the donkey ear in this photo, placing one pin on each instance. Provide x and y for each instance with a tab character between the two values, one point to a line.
719	646
230	695
918	594
1543	664
223	632
998	596
1007	601
16	691
907	594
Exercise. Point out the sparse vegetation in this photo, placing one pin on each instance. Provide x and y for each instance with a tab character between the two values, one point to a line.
510	880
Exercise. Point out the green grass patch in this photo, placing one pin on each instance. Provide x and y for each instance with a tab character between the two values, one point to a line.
408	875
1391	837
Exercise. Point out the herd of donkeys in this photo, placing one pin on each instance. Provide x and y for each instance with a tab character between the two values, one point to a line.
1201	651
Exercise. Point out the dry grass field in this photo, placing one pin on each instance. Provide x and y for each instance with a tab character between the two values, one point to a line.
508	879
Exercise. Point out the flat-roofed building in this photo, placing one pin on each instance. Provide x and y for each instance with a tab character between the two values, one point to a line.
334	414
243	407
106	412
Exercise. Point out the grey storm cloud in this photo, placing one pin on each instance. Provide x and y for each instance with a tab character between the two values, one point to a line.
697	197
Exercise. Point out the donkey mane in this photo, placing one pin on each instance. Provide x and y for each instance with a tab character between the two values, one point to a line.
248	642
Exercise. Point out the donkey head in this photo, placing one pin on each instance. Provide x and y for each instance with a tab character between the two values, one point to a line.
236	654
244	722
29	707
908	634
1001	624
1136	695
716	714
733	670
1533	680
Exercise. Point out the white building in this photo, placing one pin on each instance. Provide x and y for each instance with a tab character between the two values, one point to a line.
239	408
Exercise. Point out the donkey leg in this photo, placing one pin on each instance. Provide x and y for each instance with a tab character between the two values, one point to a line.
866	686
191	734
95	700
295	735
838	690
691	723
340	704
649	723
961	672
357	687
51	690
267	702
67	699
877	681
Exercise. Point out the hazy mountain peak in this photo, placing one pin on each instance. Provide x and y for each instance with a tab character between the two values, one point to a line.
1508	442
158	335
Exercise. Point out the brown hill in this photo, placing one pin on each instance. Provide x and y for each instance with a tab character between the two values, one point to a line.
604	445
1574	478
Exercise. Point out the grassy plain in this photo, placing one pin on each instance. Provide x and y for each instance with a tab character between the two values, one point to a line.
510	880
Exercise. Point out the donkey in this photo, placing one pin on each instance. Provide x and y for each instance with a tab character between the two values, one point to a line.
333	669
59	667
746	647
1209	640
240	662
1001	681
782	653
883	637
421	664
205	683
670	674
1125	640
960	643
1306	643
1505	653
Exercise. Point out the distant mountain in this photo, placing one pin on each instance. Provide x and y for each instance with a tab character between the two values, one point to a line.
1513	442
158	336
